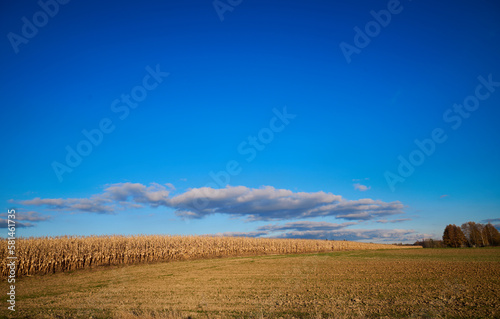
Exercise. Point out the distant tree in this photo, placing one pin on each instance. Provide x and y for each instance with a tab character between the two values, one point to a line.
491	235
449	236
466	230
483	240
453	236
418	243
431	243
473	234
484	235
459	236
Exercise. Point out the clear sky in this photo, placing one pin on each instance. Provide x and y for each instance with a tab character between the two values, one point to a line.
363	120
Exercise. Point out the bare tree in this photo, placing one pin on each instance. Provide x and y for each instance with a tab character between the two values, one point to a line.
470	231
474	234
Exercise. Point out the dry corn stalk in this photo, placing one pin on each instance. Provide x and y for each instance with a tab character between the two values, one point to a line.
58	254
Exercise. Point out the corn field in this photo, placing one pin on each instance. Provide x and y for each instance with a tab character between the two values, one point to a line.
59	254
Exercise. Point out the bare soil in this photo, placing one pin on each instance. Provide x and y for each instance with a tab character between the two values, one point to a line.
418	283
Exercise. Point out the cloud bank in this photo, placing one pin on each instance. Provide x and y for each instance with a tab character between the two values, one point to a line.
331	231
255	204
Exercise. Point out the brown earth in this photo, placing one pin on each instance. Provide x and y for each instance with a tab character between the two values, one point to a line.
418	283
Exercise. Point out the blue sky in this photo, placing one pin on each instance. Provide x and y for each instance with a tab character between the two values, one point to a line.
117	116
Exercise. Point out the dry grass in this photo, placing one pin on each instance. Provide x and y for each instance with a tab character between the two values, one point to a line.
61	254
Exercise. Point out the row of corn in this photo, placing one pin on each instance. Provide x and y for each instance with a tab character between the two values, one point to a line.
58	254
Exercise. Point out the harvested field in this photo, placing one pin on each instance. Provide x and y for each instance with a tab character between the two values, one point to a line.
400	283
60	254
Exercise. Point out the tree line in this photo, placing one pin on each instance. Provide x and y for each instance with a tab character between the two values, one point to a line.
470	234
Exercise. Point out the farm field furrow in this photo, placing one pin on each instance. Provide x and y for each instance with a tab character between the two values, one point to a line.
400	283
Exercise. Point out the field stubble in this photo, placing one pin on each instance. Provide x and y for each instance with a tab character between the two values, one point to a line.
421	283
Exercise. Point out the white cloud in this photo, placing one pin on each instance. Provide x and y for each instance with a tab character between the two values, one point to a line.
114	197
305	225
362	209
4	224
23	219
243	234
154	195
361	187
91	205
265	203
385	221
375	235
